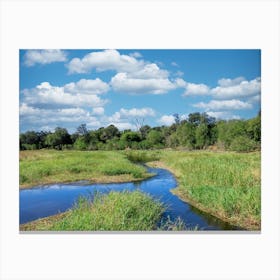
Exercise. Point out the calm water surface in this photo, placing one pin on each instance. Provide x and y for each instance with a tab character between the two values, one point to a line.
43	201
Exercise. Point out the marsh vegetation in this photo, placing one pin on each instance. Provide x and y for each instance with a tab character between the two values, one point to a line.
224	184
116	211
50	166
227	184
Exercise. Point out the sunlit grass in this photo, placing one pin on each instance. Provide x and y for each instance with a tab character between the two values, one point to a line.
142	156
116	211
225	184
49	166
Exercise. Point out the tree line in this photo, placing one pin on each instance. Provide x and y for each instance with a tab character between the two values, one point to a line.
197	131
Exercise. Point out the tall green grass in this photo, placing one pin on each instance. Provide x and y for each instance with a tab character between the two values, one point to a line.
140	156
227	185
49	166
116	211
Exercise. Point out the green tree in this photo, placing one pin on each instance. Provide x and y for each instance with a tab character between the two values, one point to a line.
201	136
176	119
229	130
242	143
82	129
42	137
144	130
129	137
93	140
254	128
155	138
59	138
83	132
172	140
186	135
194	118
29	140
80	143
109	133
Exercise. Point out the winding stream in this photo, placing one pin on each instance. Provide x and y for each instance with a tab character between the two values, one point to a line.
43	201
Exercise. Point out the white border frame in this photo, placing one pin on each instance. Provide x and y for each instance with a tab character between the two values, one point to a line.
140	24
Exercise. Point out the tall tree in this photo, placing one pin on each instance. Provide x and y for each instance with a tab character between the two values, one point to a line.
194	118
186	135
254	128
201	134
112	131
176	118
59	138
129	137
144	130
29	140
155	138
82	129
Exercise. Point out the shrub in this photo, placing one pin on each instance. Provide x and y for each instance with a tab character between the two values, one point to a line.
80	144
243	144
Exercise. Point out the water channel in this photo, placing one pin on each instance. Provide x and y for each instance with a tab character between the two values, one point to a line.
43	201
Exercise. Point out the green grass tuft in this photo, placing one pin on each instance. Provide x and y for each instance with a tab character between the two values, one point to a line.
116	211
142	156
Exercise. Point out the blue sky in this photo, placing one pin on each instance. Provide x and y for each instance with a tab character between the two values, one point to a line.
101	87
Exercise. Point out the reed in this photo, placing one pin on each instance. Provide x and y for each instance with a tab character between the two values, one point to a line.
116	211
226	184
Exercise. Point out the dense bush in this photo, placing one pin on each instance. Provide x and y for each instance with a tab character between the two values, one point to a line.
80	144
243	144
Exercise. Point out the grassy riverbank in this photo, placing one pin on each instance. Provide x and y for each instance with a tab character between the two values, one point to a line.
116	211
227	185
224	184
50	166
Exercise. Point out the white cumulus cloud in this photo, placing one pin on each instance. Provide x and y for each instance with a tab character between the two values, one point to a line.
103	61
54	117
123	83
149	71
134	112
166	120
25	110
32	57
181	83
123	125
98	111
113	60
223	115
179	73
217	105
255	99
84	86
133	75
226	89
125	114
236	88
225	82
124	118
47	95
135	54
196	89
